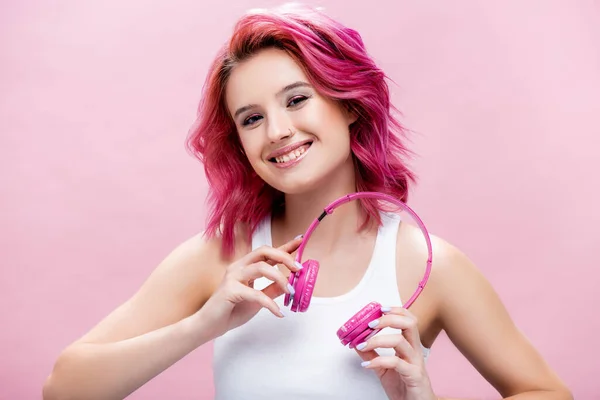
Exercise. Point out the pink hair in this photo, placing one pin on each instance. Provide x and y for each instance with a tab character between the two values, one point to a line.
336	63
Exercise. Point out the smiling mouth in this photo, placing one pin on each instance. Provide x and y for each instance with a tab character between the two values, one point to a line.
292	155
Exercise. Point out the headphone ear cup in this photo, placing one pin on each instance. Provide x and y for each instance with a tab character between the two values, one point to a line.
356	330
303	283
306	285
295	280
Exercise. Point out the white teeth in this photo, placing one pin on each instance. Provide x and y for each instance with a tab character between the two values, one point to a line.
292	155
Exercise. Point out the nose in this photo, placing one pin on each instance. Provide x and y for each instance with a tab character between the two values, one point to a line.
279	128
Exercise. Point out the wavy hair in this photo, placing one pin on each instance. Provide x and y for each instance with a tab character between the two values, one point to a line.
336	63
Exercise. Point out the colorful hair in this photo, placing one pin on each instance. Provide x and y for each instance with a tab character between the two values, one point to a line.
336	63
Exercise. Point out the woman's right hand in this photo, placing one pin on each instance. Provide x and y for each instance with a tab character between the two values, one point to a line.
235	301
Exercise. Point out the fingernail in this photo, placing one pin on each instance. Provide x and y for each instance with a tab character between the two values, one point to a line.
291	289
300	266
298	237
386	309
365	363
282	312
373	324
361	346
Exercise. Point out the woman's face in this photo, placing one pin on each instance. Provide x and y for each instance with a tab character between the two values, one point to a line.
293	137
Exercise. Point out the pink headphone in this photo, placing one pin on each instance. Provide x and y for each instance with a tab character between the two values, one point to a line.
356	329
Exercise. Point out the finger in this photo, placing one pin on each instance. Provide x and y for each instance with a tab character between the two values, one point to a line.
272	256
262	269
398	311
258	297
407	324
404	368
397	342
274	290
367	355
292	245
289	247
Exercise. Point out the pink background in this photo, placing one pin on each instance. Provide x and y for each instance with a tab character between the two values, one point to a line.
96	188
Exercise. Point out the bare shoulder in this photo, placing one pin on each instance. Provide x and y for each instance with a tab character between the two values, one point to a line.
450	266
453	274
179	286
185	274
411	261
459	300
455	281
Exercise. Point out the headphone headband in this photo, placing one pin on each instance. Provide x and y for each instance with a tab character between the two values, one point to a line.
380	196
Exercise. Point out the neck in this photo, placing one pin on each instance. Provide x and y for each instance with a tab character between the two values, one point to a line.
302	209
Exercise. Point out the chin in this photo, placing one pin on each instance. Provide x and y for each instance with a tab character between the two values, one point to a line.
303	182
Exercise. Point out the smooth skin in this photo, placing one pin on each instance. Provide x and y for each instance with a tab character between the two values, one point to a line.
196	294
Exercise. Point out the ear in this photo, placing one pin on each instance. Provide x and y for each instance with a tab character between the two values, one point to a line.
351	115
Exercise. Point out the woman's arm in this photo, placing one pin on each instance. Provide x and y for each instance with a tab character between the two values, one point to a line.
145	335
478	324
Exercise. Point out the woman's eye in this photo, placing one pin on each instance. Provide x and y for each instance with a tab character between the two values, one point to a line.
251	120
294	101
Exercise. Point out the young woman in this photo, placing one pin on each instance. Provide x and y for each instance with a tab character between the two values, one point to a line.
295	114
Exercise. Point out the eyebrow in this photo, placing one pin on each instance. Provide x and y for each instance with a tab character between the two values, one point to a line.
282	91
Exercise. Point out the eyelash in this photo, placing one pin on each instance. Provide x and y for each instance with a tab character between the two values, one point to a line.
301	99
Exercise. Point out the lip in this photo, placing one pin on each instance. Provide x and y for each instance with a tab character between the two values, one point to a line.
287	149
293	162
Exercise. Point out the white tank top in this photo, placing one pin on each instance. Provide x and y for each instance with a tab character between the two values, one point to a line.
300	356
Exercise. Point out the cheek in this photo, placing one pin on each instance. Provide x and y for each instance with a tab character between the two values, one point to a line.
247	144
252	150
327	122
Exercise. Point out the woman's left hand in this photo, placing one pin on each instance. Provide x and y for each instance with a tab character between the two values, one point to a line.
402	376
